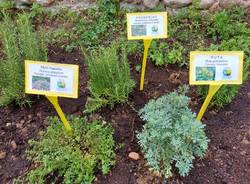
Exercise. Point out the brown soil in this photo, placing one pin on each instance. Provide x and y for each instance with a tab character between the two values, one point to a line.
227	159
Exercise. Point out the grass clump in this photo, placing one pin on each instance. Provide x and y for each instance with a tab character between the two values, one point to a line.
110	81
71	158
20	42
171	135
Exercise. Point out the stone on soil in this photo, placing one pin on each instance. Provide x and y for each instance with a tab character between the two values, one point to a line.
134	156
2	154
13	144
248	95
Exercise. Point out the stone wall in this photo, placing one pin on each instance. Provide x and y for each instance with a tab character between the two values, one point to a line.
141	4
204	4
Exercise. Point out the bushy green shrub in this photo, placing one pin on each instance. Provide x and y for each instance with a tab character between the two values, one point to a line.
11	67
71	158
162	54
171	135
110	81
19	43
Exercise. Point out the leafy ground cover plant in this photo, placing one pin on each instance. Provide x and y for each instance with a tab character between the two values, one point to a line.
71	158
171	135
110	81
20	42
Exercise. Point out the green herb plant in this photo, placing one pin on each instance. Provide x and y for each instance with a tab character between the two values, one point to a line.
71	158
110	81
171	135
20	42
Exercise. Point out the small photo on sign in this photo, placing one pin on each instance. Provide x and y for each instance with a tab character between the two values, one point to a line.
227	73
205	73
139	30
61	85
147	25
41	83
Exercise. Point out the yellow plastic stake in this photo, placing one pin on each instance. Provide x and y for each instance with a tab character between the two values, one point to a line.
54	101
211	92
144	63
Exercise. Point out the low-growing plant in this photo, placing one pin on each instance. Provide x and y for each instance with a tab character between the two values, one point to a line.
71	158
110	81
20	42
162	54
171	135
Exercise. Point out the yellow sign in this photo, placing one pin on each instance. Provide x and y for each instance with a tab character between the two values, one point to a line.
146	26
141	26
51	79
216	67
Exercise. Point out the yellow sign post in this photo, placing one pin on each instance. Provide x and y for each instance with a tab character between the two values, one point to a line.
52	80
215	68
146	26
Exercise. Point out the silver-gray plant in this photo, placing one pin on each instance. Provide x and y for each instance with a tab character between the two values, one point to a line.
171	135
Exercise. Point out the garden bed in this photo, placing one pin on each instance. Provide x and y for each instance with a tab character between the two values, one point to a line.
227	159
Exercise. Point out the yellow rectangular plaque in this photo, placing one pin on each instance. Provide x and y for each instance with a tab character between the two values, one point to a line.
51	79
147	25
216	67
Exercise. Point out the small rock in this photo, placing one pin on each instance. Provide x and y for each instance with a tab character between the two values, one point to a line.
39	114
245	141
22	4
175	78
245	3
30	116
134	156
44	2
228	113
248	95
243	153
19	125
215	7
177	3
2	154
24	131
22	121
212	112
8	124
150	3
13	144
228	3
206	4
